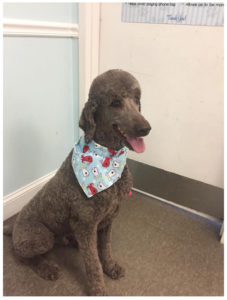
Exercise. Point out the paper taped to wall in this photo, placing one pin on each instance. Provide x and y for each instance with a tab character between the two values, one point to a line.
187	13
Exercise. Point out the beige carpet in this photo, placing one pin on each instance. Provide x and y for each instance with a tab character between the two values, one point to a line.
165	251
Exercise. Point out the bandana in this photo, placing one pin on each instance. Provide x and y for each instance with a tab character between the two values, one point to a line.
96	167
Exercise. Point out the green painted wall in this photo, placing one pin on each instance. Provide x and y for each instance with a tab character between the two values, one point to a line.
40	96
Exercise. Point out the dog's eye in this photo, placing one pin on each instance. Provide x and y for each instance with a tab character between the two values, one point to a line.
137	100
116	103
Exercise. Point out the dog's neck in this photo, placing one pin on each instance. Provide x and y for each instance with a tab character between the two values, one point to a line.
109	139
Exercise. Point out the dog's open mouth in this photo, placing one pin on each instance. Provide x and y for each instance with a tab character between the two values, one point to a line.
137	143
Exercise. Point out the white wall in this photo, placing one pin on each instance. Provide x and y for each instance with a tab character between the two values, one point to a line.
180	69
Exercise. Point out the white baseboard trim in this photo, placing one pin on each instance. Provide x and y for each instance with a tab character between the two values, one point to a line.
21	27
14	202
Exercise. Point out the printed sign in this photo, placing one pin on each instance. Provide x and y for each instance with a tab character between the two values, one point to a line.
187	13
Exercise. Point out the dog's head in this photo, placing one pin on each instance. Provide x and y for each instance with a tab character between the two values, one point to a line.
112	115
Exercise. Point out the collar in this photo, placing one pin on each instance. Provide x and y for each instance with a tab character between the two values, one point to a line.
97	167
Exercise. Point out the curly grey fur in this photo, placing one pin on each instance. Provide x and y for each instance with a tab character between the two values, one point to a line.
61	208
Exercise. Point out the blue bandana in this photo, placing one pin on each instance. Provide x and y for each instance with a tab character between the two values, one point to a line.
96	167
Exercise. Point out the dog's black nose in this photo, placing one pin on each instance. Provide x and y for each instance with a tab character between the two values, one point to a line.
144	130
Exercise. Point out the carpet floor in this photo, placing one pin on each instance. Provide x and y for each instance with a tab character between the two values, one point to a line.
166	251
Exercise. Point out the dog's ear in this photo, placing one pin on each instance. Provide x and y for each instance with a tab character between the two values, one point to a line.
87	120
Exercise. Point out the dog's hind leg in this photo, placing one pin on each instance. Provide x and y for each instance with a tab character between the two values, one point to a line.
30	241
110	267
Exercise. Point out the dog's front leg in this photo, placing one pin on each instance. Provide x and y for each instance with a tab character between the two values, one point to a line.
110	267
87	241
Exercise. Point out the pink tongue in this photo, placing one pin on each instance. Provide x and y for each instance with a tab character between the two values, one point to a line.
137	144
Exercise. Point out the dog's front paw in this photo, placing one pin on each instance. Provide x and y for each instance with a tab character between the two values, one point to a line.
114	271
98	291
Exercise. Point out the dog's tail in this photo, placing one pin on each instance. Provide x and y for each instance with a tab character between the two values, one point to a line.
8	229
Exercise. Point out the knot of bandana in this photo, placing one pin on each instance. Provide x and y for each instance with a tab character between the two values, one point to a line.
97	167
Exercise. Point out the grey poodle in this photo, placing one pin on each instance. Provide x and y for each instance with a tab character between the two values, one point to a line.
61	211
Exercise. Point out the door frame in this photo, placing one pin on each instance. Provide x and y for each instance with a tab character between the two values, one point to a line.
89	41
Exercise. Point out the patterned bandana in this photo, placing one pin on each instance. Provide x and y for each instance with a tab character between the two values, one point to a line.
96	167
